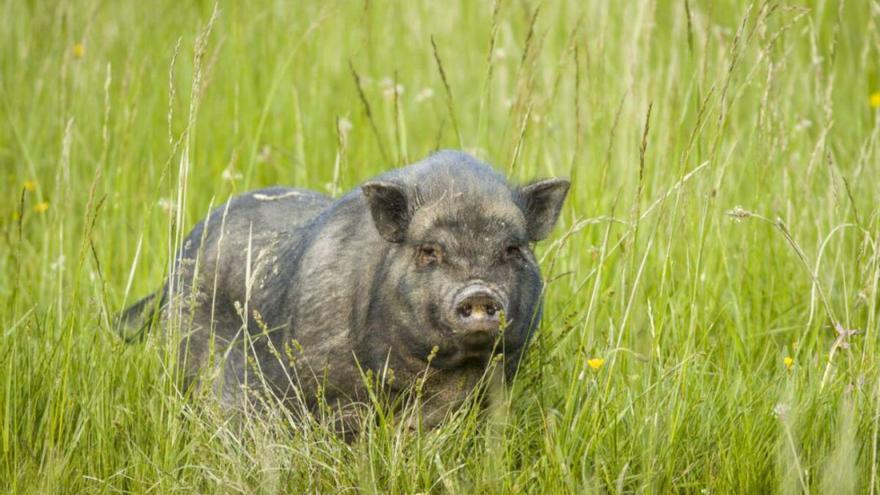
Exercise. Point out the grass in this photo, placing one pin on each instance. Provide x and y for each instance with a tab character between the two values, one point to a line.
723	217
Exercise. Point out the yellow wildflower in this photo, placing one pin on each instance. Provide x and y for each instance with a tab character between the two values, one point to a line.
79	50
595	363
41	206
874	100
29	185
788	361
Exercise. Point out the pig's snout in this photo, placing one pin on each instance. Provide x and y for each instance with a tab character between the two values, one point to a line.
478	308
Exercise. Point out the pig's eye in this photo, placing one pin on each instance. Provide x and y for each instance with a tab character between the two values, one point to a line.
429	253
513	252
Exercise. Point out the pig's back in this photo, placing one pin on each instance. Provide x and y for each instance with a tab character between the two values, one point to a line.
247	235
278	209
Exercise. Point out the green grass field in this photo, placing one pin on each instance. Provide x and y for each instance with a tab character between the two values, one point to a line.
721	237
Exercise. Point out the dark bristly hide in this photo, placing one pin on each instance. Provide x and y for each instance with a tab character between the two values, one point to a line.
417	269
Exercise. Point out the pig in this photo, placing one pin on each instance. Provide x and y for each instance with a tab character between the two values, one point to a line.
424	271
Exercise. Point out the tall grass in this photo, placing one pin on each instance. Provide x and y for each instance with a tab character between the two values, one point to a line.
723	217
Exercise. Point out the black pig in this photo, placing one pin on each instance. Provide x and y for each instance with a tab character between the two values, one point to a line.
414	270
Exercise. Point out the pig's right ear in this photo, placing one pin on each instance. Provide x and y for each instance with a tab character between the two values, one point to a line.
389	207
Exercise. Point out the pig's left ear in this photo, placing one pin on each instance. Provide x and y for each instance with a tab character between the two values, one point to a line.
389	208
541	202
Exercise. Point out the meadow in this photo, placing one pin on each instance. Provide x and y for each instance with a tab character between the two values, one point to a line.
711	309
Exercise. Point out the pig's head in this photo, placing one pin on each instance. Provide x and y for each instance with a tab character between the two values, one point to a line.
459	263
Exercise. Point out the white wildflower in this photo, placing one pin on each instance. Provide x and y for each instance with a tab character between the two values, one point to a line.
58	264
264	155
424	94
803	124
230	174
781	411
166	205
388	92
344	126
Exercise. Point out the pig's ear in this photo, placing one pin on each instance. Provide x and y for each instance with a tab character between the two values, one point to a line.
541	202
389	207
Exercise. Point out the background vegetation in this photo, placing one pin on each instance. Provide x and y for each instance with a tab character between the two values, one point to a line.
711	318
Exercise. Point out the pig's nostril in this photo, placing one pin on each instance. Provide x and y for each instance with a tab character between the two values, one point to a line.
477	309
